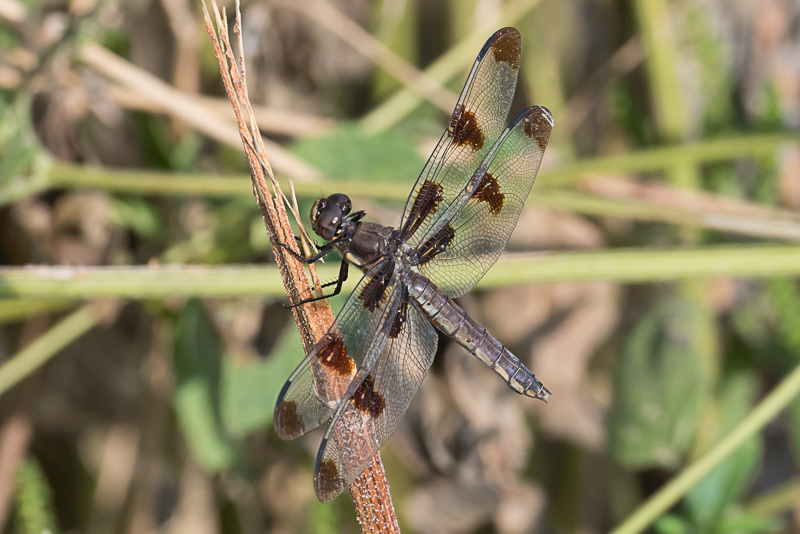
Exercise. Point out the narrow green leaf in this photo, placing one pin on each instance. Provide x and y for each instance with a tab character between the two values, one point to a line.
33	500
196	397
785	299
657	389
726	483
672	524
139	216
739	523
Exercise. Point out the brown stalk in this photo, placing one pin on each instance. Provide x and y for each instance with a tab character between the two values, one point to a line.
370	491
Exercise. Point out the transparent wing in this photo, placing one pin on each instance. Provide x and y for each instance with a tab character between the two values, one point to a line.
380	395
314	390
478	119
460	252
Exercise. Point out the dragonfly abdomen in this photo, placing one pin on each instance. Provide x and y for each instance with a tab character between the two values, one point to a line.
454	322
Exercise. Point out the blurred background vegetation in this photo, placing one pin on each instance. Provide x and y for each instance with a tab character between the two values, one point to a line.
651	283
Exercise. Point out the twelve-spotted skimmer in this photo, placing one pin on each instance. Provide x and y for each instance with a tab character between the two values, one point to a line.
362	375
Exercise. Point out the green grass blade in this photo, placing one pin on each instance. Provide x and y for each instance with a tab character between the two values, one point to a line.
656	505
46	346
622	265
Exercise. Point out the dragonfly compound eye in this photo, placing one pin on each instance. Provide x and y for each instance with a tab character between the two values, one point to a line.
327	221
316	209
341	200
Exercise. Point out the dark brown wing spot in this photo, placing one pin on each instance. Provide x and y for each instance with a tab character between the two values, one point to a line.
400	317
489	191
435	245
328	479
465	129
367	400
374	291
538	125
333	355
288	423
507	48
425	204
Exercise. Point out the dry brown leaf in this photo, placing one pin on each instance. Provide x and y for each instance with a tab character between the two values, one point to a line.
520	508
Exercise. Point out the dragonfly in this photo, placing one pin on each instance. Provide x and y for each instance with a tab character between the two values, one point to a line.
361	376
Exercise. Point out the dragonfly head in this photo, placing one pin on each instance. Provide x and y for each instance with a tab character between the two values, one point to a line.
328	214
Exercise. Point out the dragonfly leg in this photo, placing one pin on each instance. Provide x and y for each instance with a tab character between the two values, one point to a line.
343	272
324	250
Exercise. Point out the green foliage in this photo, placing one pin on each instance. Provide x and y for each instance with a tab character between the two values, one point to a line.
711	67
33	500
348	153
707	502
18	144
233	221
159	147
734	523
322	519
139	216
657	389
785	298
249	390
196	396
627	111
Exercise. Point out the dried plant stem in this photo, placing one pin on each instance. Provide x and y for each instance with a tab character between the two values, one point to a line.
370	491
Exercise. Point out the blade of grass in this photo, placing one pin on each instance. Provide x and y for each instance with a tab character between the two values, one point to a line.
650	160
659	503
46	346
623	266
636	201
52	174
776	501
15	310
35	510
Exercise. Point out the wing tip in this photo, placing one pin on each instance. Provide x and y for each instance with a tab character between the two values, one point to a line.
328	484
537	124
287	421
506	47
545	113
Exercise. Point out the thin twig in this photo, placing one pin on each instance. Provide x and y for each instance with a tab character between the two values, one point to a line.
313	319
